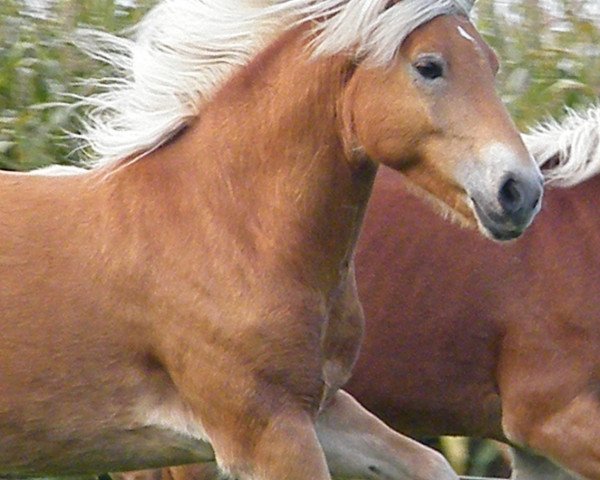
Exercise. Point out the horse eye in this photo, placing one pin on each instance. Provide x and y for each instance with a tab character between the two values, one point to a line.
429	69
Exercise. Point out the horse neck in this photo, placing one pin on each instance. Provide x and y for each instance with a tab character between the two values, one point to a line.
265	162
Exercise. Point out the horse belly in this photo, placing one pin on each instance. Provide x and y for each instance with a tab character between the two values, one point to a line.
154	436
72	402
120	451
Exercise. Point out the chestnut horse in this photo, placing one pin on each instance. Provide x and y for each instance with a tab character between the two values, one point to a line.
192	297
487	340
466	337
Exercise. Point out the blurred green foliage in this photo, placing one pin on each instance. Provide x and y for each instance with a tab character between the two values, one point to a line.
40	66
549	50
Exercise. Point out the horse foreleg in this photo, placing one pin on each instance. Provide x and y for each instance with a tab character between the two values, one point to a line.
568	436
528	466
287	448
359	445
200	471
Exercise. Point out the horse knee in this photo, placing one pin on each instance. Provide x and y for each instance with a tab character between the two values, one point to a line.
286	447
566	435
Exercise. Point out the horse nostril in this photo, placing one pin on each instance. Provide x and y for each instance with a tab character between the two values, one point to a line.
536	202
510	196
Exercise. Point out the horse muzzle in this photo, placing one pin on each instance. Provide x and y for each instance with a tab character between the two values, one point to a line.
518	199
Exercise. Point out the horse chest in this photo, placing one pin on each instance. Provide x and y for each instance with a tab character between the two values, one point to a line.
343	334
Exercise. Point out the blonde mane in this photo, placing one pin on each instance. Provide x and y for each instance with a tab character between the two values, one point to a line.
183	50
568	151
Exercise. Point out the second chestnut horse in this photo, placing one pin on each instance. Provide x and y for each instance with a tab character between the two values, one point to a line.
507	347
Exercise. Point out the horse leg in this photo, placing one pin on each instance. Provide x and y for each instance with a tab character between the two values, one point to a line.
197	471
568	436
285	447
548	379
528	466
200	471
359	445
163	474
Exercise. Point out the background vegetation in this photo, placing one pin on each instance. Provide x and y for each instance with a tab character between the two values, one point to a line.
550	53
40	67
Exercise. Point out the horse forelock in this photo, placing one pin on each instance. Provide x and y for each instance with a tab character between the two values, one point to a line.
568	152
183	51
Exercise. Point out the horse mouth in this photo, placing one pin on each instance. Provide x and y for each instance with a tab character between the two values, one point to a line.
495	228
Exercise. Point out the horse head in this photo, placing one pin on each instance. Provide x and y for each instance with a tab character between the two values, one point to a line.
432	113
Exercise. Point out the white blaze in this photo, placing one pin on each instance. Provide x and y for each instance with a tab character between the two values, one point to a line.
463	33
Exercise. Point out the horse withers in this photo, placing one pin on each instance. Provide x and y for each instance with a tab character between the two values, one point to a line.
192	297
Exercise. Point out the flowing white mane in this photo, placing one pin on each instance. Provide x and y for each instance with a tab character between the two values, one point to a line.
183	50
569	150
